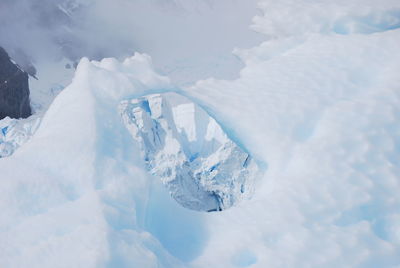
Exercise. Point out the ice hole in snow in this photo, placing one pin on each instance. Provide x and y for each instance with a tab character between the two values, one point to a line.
201	166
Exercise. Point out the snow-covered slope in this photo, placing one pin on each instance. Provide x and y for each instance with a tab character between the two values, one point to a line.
318	102
75	194
322	109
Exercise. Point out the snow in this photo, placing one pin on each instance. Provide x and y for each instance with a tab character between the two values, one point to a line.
322	110
78	180
290	17
318	102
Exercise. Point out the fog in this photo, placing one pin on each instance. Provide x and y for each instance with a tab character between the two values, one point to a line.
182	36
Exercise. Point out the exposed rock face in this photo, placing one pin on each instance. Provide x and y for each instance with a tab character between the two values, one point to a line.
14	89
201	166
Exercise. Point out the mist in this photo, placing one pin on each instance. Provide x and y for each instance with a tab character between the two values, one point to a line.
180	35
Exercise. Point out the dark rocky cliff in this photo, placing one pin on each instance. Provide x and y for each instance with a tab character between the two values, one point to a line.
14	89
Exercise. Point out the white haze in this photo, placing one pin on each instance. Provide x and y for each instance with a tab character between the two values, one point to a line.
191	36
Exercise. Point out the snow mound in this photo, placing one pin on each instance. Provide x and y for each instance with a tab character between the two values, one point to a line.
203	169
76	195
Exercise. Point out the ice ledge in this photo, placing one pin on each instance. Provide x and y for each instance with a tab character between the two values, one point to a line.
201	166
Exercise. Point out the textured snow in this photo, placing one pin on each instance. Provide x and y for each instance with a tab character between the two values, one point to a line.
203	169
187	39
320	107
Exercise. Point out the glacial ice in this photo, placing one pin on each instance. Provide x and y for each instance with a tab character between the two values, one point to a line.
201	166
16	132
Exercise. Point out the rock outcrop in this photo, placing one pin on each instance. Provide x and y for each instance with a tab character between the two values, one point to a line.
14	89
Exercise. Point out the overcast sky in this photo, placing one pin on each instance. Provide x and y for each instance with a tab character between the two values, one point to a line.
166	29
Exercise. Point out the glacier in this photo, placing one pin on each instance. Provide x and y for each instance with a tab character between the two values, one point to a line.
14	133
318	102
201	166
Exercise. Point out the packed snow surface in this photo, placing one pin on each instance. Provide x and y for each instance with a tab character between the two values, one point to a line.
318	102
203	169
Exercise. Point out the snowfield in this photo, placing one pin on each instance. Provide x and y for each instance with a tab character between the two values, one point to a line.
318	103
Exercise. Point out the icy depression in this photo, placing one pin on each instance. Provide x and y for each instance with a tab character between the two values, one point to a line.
203	169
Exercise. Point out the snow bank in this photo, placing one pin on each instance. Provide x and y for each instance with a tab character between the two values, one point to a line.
76	194
321	108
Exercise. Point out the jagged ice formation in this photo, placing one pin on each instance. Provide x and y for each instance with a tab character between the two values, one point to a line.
201	166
